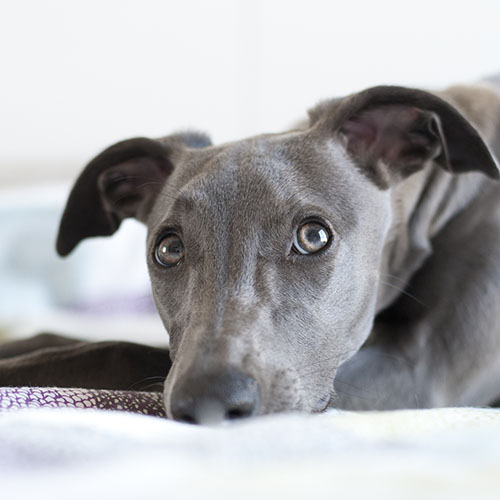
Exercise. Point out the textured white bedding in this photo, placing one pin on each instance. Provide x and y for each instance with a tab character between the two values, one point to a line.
77	454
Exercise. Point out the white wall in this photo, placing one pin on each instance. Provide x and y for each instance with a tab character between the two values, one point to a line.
78	75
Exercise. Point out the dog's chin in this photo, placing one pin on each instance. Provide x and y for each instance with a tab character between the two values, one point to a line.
297	401
322	404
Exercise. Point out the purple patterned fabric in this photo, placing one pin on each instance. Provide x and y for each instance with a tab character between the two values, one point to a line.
136	304
146	403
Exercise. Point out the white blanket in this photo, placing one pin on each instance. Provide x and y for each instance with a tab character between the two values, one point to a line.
92	454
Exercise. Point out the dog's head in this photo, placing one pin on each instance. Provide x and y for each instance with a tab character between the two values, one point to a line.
264	254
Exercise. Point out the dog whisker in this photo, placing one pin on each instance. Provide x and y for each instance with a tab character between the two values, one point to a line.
394	277
158	385
156	380
404	292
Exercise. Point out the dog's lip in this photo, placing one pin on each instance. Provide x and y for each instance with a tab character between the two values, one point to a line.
322	403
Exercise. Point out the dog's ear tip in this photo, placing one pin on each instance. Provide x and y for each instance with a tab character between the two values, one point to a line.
495	170
63	248
491	164
67	239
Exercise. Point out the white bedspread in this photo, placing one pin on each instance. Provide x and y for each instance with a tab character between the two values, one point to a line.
91	454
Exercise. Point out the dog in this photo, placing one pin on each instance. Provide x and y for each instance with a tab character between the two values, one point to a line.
352	262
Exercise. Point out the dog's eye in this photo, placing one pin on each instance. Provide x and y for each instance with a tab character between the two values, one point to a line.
170	250
311	237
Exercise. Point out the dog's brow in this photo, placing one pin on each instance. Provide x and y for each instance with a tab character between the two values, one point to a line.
184	202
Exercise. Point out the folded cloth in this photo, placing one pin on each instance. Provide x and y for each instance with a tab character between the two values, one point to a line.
146	403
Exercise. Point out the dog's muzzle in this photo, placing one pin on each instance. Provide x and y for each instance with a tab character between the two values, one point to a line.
212	398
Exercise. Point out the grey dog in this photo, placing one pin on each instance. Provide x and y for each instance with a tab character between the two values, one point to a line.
352	262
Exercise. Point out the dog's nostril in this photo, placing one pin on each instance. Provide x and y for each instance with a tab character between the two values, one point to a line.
188	419
237	413
227	395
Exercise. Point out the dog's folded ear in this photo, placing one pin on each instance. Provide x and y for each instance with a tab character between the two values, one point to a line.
120	182
392	132
123	181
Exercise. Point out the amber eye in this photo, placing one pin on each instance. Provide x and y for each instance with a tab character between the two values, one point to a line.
311	237
170	250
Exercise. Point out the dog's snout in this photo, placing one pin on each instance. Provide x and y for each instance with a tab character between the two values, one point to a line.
215	397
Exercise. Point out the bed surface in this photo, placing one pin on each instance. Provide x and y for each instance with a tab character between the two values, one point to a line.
71	453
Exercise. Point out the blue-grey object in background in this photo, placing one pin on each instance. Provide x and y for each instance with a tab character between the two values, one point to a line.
102	276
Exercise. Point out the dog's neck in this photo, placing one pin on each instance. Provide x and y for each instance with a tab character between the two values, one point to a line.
421	206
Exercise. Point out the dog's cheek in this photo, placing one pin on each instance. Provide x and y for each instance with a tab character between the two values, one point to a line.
174	316
307	359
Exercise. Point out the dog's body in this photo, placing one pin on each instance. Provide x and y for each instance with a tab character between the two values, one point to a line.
361	248
436	338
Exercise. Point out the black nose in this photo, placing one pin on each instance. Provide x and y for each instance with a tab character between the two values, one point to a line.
211	398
